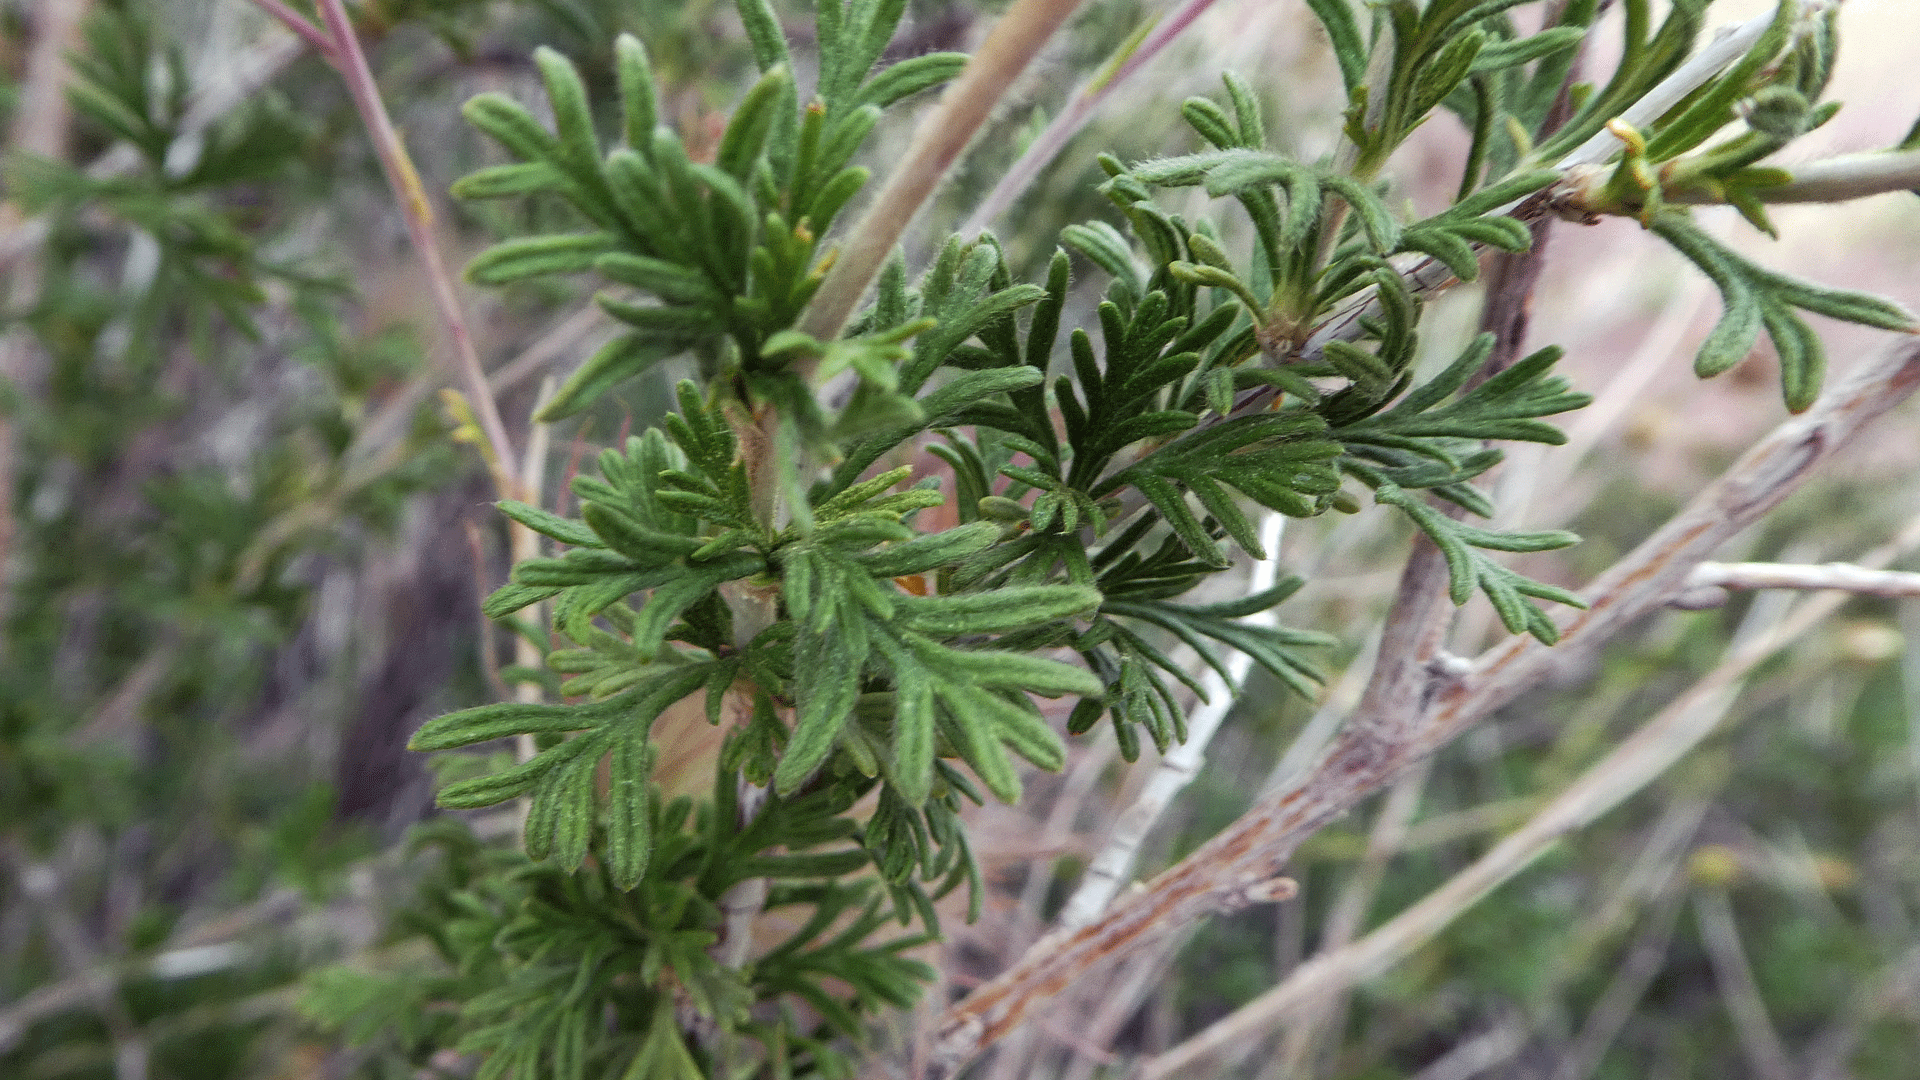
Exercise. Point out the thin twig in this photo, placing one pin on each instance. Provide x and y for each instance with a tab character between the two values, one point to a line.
1075	787
1318	1029
1635	973
1850	176
41	125
992	71
1310	745
562	338
1484	1052
524	544
1896	987
1843	576
1727	46
317	39
1377	746
1655	870
1117	1002
417	209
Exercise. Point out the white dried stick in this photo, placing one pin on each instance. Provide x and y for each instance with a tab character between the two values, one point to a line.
1113	866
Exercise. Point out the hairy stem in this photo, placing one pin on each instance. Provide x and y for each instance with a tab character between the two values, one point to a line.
1837	179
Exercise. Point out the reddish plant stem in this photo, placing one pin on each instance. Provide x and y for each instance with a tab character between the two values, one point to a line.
342	47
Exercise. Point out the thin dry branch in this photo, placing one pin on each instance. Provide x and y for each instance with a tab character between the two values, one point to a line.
1728	45
317	39
1318	1029
40	127
1759	1039
1845	577
1636	762
1836	179
1635	973
1481	1054
1895	988
1391	732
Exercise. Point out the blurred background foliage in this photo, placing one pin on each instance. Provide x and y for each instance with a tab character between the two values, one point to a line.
243	559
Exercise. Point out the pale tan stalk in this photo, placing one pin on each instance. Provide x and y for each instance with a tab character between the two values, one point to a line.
525	544
1759	1039
1012	44
1078	111
1845	577
1851	176
1895	988
1318	1029
1480	1054
1634	974
41	126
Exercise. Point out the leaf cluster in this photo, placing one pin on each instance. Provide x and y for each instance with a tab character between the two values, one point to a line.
1434	438
717	258
1369	424
1754	298
571	975
1420	55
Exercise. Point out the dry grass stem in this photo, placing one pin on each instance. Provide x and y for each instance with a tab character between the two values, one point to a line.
1480	1054
1842	576
1635	973
1316	1032
1840	179
41	125
1896	988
